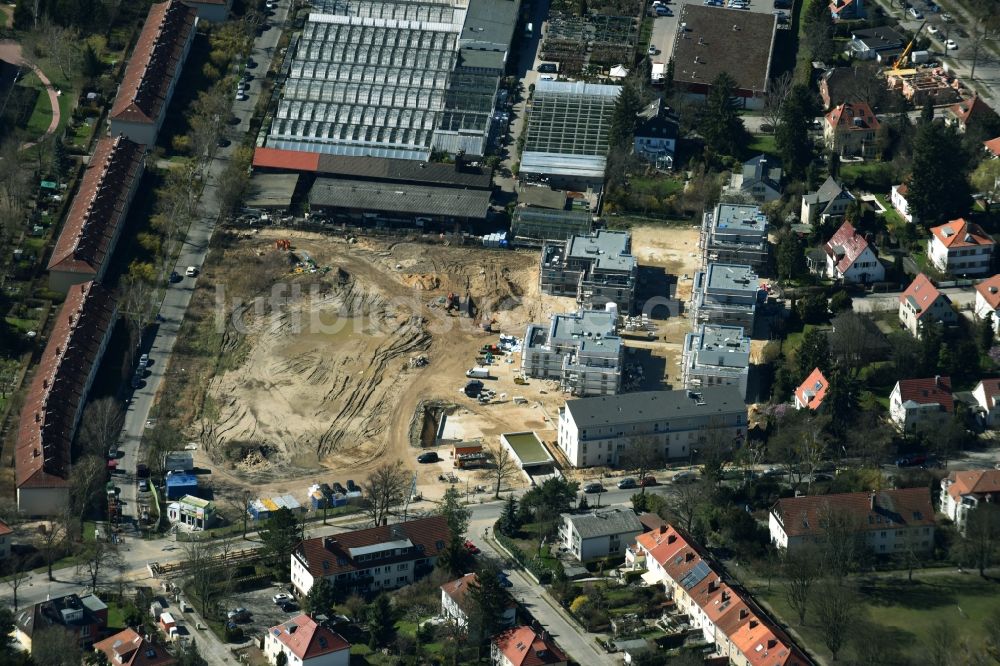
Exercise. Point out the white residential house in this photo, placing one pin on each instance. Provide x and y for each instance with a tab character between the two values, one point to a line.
923	304
897	197
988	300
961	248
921	403
656	135
962	492
306	643
829	202
987	395
600	533
850	258
455	601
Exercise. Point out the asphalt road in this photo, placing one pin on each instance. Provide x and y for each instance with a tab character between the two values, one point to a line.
193	252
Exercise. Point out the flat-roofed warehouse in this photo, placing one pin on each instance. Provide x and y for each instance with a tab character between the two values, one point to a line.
388	204
567	135
712	40
388	78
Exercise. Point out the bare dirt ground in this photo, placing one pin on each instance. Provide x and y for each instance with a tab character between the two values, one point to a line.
674	249
325	390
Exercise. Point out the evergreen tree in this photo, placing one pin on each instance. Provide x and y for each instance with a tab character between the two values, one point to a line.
790	255
985	333
625	117
24	17
489	600
927	112
321	598
833	164
792	134
281	533
456	516
508	523
380	622
189	656
813	353
721	125
939	183
668	79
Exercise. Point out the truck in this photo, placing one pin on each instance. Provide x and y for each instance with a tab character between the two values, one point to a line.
478	372
658	73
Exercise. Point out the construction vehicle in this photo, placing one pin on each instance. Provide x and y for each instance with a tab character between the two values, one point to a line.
520	380
901	60
283	244
452	302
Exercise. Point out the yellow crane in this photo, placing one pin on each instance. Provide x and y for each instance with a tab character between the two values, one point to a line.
901	60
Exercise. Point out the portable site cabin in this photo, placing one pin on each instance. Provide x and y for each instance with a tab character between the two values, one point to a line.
179	485
260	509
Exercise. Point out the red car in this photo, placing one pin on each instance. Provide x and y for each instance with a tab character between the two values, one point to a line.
648	481
471	547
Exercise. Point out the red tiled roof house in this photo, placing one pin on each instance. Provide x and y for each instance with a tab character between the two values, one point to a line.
54	403
921	402
968	112
988	300
987	395
850	129
850	258
97	215
726	614
892	521
810	394
963	491
922	304
898	199
6	536
522	646
128	648
153	71
374	559
306	643
960	248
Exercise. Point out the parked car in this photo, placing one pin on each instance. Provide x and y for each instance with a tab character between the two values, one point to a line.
951	45
652	50
241	96
685	477
428	457
144	361
471	547
594	487
648	481
626	483
239	615
142	471
911	460
289	607
281	598
352	487
113	452
143	486
191	271
175	277
548	68
504	580
337	488
932	30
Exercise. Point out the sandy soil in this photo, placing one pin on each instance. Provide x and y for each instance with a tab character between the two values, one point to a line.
326	390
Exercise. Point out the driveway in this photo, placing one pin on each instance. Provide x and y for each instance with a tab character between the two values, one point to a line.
193	253
963	298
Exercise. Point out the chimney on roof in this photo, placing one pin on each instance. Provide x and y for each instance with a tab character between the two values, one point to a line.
663	529
671	538
688	557
871	500
937	381
771	643
753	624
329	542
744	613
38	417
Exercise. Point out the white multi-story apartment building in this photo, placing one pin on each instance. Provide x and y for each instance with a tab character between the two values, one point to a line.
371	560
597	431
582	351
596	268
725	294
716	356
891	521
735	234
961	248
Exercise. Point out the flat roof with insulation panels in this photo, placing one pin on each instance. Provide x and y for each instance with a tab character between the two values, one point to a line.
609	250
714	40
732	279
527	447
739	223
722	346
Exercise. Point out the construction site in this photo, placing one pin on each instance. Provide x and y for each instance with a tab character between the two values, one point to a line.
355	348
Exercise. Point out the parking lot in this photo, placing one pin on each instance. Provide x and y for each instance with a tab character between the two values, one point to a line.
665	27
264	613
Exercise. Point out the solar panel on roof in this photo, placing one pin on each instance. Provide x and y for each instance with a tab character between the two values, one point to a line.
696	575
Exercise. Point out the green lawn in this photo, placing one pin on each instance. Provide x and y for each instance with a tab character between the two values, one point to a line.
893	219
659	187
41	116
911	612
762	143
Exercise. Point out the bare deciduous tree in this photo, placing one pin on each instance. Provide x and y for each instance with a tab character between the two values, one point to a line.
505	467
835	607
800	572
100	560
778	88
52	540
101	426
684	505
384	490
86	478
17	577
642	455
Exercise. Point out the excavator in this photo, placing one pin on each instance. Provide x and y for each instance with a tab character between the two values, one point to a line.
901	60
